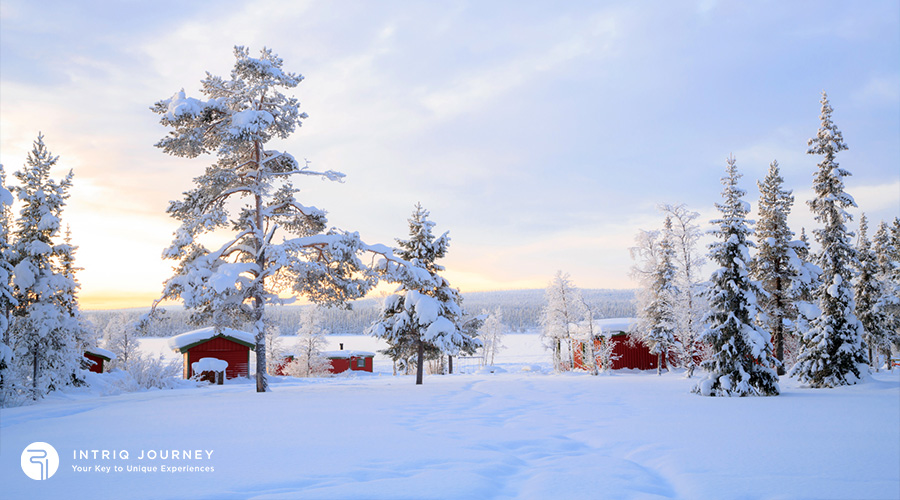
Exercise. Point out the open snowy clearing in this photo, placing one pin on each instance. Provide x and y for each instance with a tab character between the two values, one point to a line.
520	434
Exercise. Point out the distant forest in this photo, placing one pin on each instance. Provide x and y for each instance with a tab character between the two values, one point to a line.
521	311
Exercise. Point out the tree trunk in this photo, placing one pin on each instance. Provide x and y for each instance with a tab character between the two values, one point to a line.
450	363
34	377
659	359
778	333
259	331
420	348
262	385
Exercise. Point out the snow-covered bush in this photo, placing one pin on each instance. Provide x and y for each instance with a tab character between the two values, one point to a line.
157	372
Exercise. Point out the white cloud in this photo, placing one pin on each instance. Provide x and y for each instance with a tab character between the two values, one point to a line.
879	90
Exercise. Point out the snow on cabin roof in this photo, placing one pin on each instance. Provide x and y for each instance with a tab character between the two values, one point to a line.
346	354
187	340
101	352
614	325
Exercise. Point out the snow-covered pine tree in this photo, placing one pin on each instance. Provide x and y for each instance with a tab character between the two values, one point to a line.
278	245
866	292
833	349
419	316
690	303
804	285
774	264
657	316
7	297
44	330
887	277
741	363
491	335
559	318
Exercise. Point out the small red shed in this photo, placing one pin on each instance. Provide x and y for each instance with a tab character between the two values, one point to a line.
344	360
227	344
99	356
627	353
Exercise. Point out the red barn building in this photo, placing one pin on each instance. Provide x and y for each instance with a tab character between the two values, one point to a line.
226	344
627	352
99	356
344	360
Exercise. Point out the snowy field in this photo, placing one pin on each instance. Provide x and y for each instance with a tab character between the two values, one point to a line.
523	434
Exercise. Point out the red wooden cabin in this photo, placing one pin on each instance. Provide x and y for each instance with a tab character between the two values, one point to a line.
99	356
344	360
630	353
227	344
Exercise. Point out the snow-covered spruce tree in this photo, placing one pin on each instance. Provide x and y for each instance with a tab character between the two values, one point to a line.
774	264
805	283
421	316
278	245
559	318
866	293
45	328
741	363
656	312
491	335
833	349
7	297
886	254
690	303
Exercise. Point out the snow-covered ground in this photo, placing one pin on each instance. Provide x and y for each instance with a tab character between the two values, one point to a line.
524	433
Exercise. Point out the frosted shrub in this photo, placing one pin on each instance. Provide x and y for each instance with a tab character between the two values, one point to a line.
304	366
606	354
154	372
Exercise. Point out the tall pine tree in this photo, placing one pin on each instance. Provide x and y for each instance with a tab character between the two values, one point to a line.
833	349
7	296
866	292
887	277
775	263
420	318
741	363
657	320
690	303
277	245
45	328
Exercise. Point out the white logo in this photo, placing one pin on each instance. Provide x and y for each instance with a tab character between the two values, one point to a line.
40	461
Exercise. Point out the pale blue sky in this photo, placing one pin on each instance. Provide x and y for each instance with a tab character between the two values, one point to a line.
540	135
